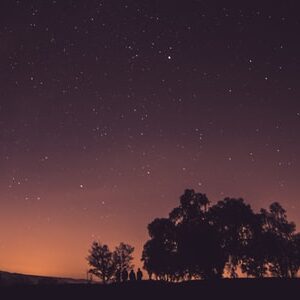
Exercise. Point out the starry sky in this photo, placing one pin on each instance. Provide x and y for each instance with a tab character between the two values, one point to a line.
110	109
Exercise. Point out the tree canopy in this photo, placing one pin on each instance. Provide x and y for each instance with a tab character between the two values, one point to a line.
199	240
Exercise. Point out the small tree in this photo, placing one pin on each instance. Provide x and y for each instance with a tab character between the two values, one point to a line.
101	262
122	257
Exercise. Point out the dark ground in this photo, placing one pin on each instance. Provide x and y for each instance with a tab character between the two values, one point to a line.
221	289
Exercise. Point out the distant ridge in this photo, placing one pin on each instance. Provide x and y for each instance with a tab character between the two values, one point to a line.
7	278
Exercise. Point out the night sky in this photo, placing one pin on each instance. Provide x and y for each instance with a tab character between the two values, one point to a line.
110	109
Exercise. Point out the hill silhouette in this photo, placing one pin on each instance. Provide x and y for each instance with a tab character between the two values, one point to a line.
16	279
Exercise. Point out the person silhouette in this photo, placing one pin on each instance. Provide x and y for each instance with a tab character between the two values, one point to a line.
124	275
139	274
132	276
118	276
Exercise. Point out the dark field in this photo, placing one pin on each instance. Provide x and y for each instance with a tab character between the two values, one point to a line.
221	289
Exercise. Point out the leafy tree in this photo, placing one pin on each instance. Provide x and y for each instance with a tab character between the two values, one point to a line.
192	206
234	220
122	257
101	261
198	241
156	259
159	254
184	245
275	247
148	258
200	250
279	240
294	264
254	261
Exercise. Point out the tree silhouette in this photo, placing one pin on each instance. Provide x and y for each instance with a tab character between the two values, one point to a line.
122	257
101	262
202	241
255	262
294	265
185	245
159	254
279	241
192	206
235	221
199	250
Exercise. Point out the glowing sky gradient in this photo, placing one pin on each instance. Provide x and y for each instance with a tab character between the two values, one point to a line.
110	109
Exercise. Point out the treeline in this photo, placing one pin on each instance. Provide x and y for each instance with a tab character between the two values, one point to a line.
203	241
199	240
